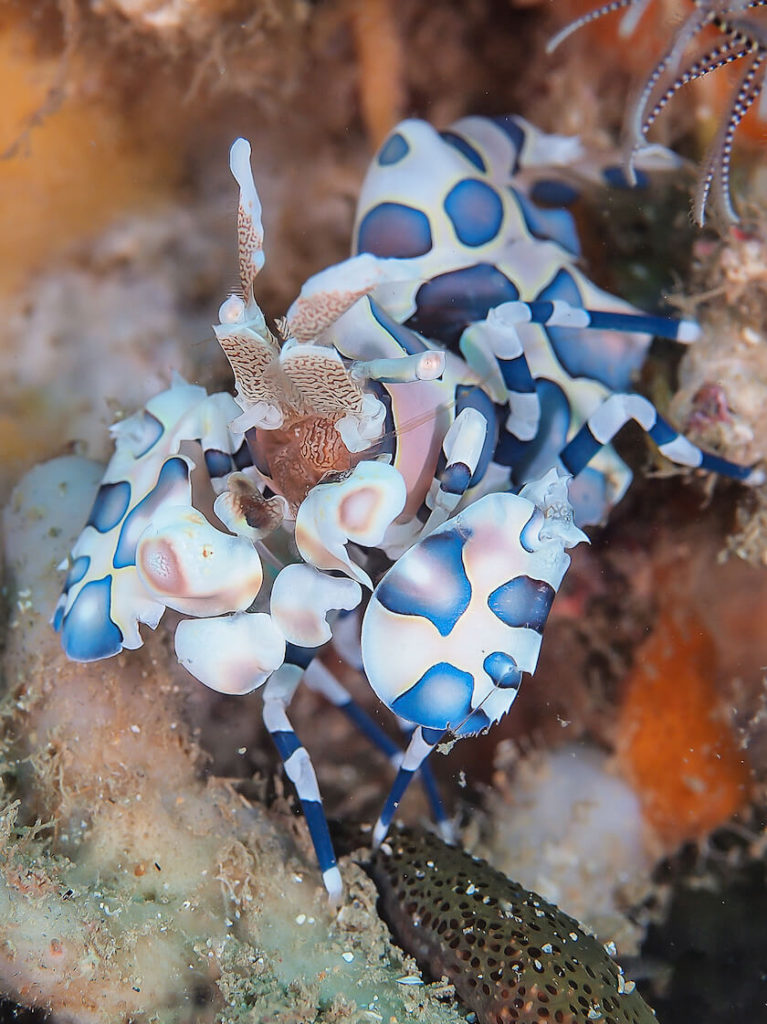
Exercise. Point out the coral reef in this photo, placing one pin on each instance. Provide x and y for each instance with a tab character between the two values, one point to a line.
140	821
721	34
711	937
130	886
722	394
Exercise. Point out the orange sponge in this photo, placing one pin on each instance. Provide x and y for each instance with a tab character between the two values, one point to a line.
675	742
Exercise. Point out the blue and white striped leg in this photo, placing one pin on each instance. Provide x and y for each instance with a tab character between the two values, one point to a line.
494	350
464	446
320	679
278	693
558	313
422	742
605	422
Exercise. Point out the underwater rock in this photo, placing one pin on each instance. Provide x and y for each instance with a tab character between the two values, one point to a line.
151	891
722	397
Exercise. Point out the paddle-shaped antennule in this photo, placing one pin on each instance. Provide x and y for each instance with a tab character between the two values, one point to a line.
250	230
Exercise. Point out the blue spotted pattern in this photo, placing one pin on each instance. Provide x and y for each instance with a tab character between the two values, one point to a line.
151	432
477	721
110	506
393	229
465	148
439	700
88	632
551	192
447	303
522	602
509	124
77	570
172	487
430	581
583	353
58	615
529	535
554	225
503	670
408	340
395	148
475	211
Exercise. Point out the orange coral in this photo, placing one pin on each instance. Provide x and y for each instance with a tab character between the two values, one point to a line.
676	745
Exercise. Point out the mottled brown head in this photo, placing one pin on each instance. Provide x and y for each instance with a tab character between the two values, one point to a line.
304	452
511	955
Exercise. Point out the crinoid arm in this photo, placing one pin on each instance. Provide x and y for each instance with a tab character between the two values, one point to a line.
598	12
712	60
715	179
744	37
667	65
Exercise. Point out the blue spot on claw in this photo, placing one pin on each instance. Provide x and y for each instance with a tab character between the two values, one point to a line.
522	602
430	581
441	697
172	483
88	632
110	506
393	150
463	146
503	670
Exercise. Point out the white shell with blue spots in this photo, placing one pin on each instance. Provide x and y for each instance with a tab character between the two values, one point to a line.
456	621
389	458
104	598
458	200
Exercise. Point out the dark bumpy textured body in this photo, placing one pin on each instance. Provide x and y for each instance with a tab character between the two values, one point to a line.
511	955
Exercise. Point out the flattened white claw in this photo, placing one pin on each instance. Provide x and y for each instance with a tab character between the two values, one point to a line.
358	509
232	654
190	566
301	598
327	295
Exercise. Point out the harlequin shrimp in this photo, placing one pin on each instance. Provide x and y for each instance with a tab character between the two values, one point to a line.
362	451
741	39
